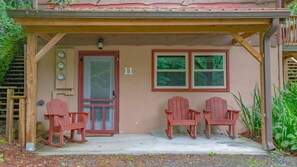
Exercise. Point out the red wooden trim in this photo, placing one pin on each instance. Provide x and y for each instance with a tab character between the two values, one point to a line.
117	91
116	87
94	100
190	71
104	118
93	117
100	131
190	89
227	72
153	71
98	105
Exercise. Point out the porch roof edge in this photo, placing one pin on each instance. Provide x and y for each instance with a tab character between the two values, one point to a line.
279	14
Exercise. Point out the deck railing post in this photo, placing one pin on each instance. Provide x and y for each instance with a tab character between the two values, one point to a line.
9	114
22	124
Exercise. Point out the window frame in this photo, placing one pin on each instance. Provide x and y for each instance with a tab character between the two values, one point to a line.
190	71
223	54
156	70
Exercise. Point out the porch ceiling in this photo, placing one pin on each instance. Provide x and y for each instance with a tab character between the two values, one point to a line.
146	22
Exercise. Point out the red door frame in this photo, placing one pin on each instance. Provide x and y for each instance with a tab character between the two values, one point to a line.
116	85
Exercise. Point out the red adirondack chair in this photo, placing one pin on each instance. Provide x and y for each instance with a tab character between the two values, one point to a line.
216	113
178	113
59	121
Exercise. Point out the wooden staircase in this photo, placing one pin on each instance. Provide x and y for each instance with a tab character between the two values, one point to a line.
15	77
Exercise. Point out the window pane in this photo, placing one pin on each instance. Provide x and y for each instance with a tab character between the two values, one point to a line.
209	62
171	78
209	78
171	62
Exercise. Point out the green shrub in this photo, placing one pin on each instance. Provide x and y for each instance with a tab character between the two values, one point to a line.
285	117
11	36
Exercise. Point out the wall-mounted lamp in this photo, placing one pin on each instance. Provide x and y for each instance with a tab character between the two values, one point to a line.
100	43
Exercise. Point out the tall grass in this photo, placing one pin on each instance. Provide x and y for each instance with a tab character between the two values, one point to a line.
284	114
251	115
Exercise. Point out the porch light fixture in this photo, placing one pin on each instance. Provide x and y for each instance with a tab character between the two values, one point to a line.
100	43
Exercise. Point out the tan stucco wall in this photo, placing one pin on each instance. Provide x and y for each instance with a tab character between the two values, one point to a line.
141	110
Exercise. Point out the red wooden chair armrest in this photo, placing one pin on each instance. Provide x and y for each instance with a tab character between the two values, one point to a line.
74	113
194	111
206	114
169	115
47	116
194	114
233	114
81	116
168	112
233	111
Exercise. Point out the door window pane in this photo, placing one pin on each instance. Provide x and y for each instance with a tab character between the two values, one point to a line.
99	87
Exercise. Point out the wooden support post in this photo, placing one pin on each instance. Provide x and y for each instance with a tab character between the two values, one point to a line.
31	92
262	90
22	115
9	115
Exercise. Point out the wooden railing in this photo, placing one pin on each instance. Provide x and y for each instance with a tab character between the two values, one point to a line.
289	31
10	107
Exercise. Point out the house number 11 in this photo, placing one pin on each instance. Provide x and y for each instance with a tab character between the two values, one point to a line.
128	71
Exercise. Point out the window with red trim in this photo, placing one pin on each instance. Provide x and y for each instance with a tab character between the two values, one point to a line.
190	70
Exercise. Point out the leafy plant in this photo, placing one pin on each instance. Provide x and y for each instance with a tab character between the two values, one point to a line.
285	117
212	153
3	141
62	3
251	115
10	34
293	7
1	158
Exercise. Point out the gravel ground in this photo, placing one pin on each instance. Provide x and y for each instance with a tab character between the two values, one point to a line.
12	156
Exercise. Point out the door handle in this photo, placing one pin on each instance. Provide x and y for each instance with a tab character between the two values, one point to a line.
113	94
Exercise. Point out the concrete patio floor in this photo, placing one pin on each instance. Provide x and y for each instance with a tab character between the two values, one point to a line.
137	144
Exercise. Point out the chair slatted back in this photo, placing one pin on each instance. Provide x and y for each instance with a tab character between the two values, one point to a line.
180	107
218	107
57	106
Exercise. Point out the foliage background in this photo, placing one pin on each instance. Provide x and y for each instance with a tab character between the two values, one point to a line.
12	37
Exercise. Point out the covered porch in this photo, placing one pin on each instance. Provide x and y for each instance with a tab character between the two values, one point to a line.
157	143
237	24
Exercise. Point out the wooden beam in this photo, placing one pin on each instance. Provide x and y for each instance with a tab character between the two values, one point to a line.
244	36
137	22
148	29
49	46
45	36
31	83
289	54
248	47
